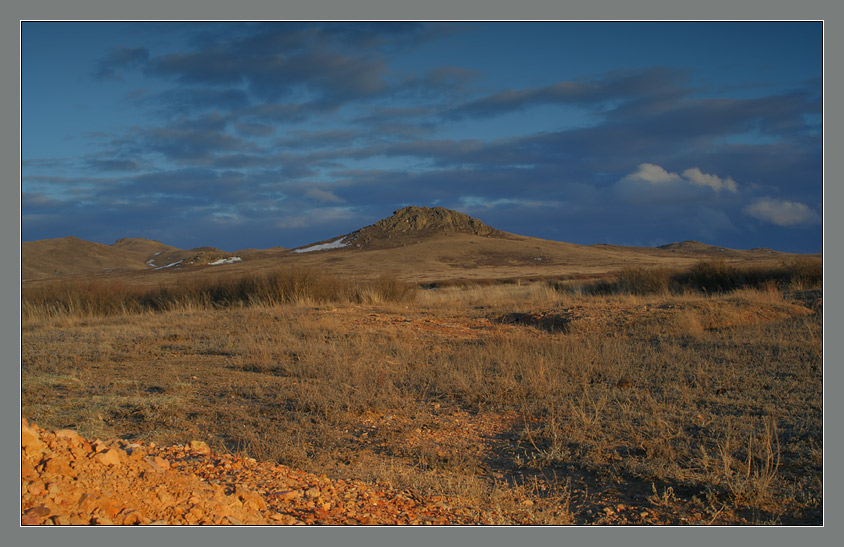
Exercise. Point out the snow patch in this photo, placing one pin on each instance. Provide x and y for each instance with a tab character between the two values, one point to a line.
170	265
230	260
337	244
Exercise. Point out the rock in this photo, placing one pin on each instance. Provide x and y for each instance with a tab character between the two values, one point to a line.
31	442
109	457
286	494
68	434
57	466
27	471
99	446
200	446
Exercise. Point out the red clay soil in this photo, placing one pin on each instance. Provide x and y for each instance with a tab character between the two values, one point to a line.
69	480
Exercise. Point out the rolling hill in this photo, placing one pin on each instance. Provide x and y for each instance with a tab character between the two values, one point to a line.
418	244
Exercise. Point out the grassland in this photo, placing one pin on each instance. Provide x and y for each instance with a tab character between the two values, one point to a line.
653	396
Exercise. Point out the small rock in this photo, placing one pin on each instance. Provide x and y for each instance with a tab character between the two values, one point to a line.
30	441
287	494
109	457
68	434
200	446
55	466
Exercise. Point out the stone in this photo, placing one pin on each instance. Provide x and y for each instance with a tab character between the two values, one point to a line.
200	446
99	446
27	471
109	457
31	442
68	434
56	466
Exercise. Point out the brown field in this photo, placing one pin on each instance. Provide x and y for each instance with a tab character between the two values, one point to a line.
600	385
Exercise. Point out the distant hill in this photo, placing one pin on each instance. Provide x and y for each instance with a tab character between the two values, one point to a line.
143	246
419	244
409	225
703	250
70	257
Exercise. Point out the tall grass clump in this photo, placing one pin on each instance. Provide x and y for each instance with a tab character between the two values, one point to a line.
712	277
291	286
634	280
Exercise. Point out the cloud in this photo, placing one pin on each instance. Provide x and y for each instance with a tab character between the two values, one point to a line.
651	183
183	101
279	66
251	129
783	213
118	59
113	165
324	196
695	176
613	86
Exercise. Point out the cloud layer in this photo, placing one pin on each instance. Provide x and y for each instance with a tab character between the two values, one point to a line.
257	135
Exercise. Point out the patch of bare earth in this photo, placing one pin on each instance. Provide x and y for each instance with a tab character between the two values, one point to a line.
69	480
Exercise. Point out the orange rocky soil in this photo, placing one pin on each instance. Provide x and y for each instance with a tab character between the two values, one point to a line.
69	480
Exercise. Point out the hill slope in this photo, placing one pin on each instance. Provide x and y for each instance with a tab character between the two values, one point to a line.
71	256
418	244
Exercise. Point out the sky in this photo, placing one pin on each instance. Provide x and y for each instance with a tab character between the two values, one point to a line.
262	134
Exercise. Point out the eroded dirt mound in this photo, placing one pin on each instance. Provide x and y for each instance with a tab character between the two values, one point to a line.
411	223
69	480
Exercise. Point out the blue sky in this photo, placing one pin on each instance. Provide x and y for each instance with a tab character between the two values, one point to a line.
240	135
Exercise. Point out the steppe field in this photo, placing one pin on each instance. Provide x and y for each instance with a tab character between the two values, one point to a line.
453	373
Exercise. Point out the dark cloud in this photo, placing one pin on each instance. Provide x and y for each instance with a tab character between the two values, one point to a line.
112	165
119	59
184	101
253	129
278	66
301	139
615	86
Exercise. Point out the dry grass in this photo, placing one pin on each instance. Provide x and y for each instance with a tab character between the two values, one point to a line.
684	401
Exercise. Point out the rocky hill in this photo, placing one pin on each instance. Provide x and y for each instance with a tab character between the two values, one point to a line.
411	224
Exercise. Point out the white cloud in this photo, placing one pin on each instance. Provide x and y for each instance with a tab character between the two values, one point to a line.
477	202
325	196
654	174
782	212
695	176
650	183
315	217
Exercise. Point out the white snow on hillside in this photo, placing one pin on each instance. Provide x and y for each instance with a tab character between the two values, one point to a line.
170	265
337	244
230	260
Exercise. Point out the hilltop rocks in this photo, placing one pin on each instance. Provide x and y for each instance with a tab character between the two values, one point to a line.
411	223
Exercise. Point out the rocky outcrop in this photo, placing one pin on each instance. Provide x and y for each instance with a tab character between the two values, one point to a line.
413	223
